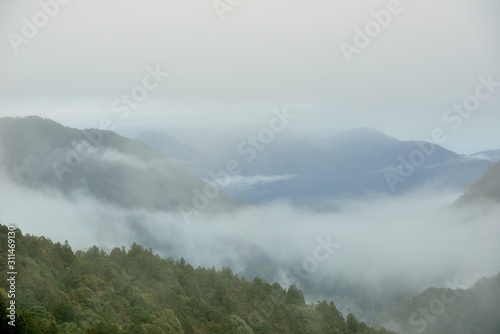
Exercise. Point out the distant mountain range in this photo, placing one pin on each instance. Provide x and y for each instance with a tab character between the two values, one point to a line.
161	172
351	163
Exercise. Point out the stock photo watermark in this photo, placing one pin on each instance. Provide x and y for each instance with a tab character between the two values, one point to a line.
262	311
223	7
122	106
321	253
420	320
12	275
30	28
454	118
324	249
249	149
363	37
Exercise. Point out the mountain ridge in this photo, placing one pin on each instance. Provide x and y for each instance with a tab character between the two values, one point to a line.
349	163
41	153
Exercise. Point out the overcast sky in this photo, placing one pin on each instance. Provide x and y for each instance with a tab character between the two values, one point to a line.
264	54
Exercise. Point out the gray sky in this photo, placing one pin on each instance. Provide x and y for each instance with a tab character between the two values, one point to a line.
265	54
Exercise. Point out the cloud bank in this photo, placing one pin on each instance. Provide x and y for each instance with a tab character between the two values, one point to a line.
419	238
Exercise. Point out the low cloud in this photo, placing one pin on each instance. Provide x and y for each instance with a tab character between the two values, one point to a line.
241	182
384	243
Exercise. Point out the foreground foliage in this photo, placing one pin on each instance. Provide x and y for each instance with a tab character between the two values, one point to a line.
135	291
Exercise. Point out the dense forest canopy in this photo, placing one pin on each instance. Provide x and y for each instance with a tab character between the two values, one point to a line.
136	291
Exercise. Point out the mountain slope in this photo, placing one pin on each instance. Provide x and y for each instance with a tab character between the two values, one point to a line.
442	311
42	154
196	161
351	163
374	149
136	292
486	188
302	170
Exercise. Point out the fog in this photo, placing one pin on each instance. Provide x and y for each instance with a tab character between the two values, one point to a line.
388	245
212	82
224	73
240	182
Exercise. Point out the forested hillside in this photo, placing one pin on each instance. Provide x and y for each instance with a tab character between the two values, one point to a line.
135	291
453	311
486	188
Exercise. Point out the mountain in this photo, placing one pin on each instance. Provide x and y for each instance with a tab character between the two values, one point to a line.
161	172
486	188
198	162
42	154
168	145
404	165
449	310
135	291
347	164
374	150
286	167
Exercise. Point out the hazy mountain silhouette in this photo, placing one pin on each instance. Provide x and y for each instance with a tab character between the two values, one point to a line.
41	153
350	163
